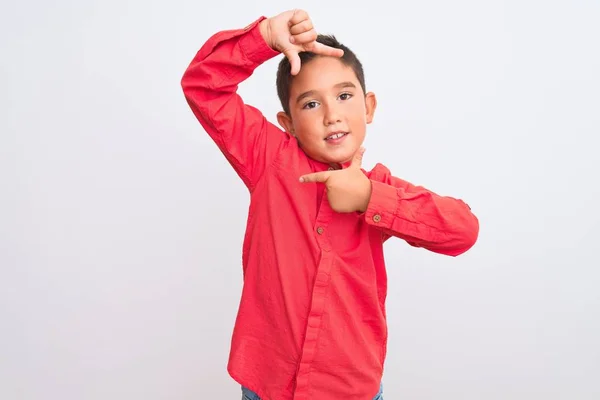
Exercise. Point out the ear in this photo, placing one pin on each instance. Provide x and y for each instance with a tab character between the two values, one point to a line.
371	105
286	122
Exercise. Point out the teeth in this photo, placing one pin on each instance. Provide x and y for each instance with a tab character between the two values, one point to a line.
336	136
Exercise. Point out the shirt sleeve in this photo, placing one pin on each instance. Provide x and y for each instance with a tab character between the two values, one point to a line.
210	83
421	217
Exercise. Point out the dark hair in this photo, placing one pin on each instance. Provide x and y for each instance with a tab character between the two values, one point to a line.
285	78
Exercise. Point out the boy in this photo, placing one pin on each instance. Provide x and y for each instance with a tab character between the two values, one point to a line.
312	321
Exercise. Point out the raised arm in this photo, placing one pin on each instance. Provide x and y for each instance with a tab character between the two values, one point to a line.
249	142
210	83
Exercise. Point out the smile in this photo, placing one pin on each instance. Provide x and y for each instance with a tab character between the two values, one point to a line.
337	135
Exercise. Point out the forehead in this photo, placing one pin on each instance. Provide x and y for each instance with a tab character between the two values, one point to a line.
322	74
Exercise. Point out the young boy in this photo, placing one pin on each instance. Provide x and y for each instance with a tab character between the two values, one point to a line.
312	320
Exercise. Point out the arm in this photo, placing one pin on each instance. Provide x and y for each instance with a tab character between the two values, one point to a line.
424	219
210	83
397	208
247	140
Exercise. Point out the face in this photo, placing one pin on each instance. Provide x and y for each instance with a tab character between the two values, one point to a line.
328	110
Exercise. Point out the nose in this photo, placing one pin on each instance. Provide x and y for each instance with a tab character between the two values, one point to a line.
332	115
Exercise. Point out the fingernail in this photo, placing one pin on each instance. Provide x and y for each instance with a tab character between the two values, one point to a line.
292	40
301	179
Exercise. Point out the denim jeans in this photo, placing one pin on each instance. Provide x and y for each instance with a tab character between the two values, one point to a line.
248	394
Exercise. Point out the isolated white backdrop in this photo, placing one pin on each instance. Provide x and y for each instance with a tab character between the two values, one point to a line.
121	224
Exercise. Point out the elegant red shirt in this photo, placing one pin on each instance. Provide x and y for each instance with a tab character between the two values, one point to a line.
311	322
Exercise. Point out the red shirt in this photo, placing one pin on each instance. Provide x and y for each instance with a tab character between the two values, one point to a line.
312	319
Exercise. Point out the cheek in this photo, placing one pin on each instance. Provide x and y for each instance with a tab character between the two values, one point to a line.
309	124
308	131
357	111
359	115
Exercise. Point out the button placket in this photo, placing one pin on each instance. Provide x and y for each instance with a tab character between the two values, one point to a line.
318	301
323	218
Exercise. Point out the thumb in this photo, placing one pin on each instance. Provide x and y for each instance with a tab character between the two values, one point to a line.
358	157
294	58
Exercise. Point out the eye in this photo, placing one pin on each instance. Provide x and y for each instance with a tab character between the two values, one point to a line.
310	104
345	96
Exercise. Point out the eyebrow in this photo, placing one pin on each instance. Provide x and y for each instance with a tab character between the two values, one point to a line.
340	85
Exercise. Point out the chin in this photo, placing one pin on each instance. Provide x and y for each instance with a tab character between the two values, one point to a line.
339	158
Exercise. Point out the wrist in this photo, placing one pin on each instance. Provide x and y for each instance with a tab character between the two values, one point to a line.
265	31
368	189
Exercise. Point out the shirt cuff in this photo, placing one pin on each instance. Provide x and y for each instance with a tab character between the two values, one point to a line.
254	47
383	204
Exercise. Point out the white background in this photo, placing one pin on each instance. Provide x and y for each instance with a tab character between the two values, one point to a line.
121	224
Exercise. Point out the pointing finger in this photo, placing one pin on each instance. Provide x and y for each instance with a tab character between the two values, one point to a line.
320	48
315	177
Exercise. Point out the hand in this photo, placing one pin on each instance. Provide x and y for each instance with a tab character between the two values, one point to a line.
348	189
292	32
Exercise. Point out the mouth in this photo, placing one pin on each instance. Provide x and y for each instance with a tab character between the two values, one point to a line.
336	135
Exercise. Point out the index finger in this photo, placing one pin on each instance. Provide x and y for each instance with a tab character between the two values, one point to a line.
324	50
315	177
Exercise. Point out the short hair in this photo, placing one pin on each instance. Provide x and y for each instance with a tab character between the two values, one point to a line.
285	78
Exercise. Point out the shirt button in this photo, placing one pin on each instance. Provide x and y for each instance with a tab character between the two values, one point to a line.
376	217
320	230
